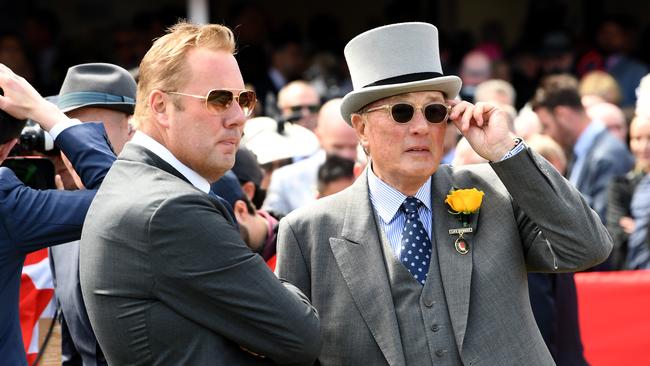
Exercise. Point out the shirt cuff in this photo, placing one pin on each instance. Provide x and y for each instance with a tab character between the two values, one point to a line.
61	126
520	146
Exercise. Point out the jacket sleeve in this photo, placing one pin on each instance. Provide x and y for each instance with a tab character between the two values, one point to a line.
619	197
204	271
35	219
559	231
89	151
291	263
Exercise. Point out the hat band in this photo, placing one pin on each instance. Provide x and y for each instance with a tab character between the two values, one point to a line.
83	98
417	76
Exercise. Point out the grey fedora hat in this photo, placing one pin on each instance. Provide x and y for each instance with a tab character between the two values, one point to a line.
98	85
392	60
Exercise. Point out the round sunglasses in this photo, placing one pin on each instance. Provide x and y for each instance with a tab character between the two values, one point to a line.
218	100
403	112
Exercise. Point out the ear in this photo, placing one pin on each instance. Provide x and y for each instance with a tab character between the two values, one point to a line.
562	112
161	105
359	124
5	148
249	189
241	211
358	169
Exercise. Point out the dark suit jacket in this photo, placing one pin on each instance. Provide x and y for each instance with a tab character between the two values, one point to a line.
167	280
33	219
607	158
555	306
619	198
531	219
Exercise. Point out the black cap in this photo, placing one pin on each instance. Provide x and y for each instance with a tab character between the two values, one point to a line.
246	168
228	188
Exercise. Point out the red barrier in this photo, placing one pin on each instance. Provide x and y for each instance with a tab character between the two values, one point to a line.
614	312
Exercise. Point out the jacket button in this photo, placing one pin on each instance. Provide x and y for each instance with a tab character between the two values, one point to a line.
440	352
428	302
435	327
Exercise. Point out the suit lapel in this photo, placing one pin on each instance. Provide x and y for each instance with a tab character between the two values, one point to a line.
455	268
360	259
138	153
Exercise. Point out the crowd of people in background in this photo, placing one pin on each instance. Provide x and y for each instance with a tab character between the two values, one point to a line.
581	102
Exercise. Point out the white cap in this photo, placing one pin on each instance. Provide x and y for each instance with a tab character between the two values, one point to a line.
261	136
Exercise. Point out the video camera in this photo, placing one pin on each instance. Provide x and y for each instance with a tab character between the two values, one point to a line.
34	138
36	172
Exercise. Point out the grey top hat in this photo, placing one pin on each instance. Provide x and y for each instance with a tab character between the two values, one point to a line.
98	85
392	60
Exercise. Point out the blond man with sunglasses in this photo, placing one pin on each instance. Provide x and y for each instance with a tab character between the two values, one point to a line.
164	273
400	272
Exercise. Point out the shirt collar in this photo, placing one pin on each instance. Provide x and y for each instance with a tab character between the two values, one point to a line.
587	138
142	139
387	200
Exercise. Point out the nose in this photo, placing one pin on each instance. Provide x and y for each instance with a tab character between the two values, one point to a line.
645	144
235	116
418	124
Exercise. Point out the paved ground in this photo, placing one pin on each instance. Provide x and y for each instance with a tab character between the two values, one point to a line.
52	356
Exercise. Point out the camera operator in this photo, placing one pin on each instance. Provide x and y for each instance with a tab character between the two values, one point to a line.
33	219
90	92
34	141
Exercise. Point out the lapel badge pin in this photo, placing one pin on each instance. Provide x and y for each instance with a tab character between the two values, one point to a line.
461	244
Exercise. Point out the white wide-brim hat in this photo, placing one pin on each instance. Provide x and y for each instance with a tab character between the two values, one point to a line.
392	60
261	136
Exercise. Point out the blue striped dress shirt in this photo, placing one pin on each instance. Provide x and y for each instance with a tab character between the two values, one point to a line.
386	202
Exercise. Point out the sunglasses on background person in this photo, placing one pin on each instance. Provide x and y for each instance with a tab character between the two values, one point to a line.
219	100
313	108
403	112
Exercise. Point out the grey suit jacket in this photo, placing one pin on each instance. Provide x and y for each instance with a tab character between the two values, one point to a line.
167	280
531	219
607	158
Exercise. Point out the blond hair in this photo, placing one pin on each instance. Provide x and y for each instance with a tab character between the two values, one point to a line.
601	84
164	66
487	90
549	149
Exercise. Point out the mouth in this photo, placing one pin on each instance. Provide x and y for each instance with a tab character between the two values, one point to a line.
230	140
418	149
231	143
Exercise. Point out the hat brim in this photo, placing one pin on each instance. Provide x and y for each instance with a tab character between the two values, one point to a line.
125	107
355	100
261	138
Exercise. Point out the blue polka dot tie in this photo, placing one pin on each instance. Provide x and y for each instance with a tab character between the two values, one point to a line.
416	246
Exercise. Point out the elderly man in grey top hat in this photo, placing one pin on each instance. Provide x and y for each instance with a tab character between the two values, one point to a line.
90	92
419	263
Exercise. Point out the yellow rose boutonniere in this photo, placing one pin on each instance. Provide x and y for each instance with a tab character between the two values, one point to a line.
464	201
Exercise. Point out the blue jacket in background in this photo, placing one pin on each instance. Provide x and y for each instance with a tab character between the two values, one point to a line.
32	219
